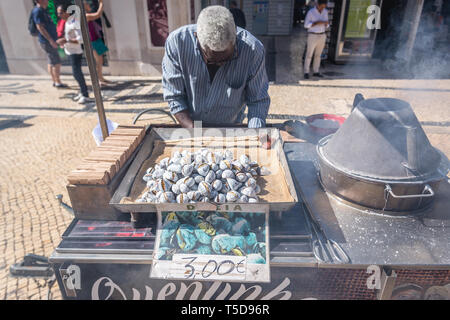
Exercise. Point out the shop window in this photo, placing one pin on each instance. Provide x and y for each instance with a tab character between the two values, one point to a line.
159	25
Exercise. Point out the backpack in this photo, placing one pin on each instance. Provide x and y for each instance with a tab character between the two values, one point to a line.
32	26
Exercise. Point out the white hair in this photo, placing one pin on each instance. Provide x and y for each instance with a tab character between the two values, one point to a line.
216	28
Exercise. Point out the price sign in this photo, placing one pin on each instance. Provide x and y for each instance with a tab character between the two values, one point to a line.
212	267
212	245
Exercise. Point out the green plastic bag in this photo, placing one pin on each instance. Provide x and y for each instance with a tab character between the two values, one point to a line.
61	53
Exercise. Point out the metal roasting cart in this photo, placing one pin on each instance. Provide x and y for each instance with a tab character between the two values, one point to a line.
321	247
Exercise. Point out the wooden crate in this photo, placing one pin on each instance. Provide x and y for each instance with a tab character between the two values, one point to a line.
93	182
124	197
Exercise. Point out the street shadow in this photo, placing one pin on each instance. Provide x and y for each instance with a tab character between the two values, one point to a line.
323	84
14	123
130	84
140	99
146	91
371	71
17	89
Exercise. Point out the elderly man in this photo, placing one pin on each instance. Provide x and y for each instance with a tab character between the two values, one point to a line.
212	70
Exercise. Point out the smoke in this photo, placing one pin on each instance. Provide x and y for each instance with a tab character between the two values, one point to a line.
422	66
430	55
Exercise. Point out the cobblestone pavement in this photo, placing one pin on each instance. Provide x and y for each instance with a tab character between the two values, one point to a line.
44	134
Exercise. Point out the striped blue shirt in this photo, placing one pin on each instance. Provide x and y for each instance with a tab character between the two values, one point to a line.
241	81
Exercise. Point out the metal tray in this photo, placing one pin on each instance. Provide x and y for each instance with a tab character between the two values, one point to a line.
165	134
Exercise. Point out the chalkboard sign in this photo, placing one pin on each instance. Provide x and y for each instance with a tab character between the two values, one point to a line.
212	245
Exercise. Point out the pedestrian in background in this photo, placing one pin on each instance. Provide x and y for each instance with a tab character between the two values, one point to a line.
316	22
47	40
70	38
238	15
98	45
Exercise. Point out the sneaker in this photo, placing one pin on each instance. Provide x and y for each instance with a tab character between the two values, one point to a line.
60	85
306	75
318	75
84	100
77	97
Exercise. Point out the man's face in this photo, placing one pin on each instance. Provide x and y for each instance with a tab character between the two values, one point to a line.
322	6
218	58
43	3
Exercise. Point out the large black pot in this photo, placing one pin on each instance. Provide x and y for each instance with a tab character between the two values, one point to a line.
381	158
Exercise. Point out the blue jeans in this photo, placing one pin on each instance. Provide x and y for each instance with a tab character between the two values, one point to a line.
75	59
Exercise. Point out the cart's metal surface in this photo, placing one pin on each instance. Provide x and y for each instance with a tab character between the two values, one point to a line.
415	240
118	267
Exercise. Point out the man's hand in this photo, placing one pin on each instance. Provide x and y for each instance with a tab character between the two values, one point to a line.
184	119
45	34
320	22
54	44
61	41
266	141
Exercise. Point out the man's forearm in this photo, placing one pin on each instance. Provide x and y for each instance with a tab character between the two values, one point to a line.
257	113
184	119
96	15
44	33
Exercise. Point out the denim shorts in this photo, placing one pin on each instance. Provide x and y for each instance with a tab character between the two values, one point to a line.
52	53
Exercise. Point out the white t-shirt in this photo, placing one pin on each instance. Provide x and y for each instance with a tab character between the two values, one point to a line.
72	32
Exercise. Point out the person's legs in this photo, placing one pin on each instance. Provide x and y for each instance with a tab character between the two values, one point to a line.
320	45
57	73
48	49
54	62
51	73
99	66
100	49
311	45
75	59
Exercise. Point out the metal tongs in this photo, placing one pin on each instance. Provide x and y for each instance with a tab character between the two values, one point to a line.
320	252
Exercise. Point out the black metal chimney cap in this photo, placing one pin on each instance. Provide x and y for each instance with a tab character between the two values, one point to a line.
382	139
